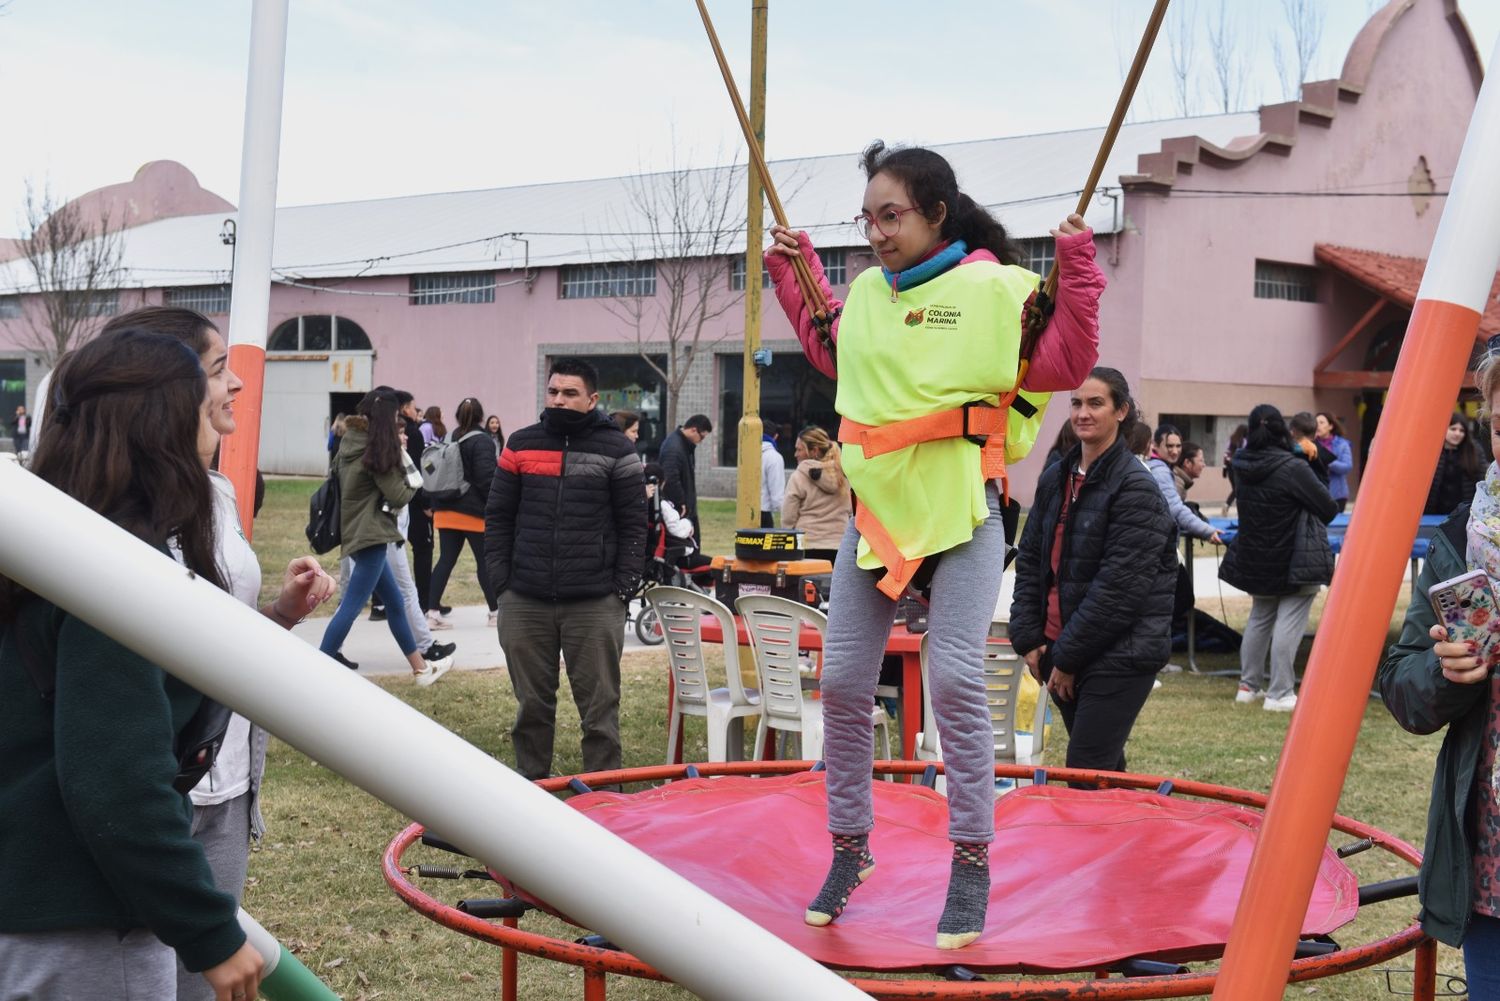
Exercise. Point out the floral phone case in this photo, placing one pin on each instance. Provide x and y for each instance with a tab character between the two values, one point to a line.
1466	605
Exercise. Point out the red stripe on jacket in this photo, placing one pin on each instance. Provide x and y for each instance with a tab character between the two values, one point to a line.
532	462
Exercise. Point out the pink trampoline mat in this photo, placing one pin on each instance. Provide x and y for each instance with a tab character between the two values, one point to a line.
1080	879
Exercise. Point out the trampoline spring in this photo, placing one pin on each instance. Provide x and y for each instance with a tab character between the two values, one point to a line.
960	974
1147	968
1321	945
1166	787
597	942
433	841
929	776
578	786
1452	986
436	872
1390	889
1355	847
494	907
690	772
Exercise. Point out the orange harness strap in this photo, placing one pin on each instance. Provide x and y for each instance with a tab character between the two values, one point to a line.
984	425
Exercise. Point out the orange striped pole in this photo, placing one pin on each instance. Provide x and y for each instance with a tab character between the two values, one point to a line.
1352	633
255	233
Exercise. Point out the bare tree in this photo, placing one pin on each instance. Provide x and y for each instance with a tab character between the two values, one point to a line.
1304	19
688	222
75	260
1230	58
1182	30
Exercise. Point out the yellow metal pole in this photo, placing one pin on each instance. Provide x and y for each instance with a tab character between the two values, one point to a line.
747	505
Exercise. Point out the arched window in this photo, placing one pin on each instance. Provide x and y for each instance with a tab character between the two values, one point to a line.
319	334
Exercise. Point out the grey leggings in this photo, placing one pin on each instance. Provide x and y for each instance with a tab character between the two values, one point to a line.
964	588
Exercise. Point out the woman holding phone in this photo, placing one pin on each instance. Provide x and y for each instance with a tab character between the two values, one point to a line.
1431	680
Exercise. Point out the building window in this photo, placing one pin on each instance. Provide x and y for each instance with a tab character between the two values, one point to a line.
105	302
439	290
10	307
1037	254
836	265
318	334
605	281
208	299
1211	432
1285	281
793	395
629	382
737	274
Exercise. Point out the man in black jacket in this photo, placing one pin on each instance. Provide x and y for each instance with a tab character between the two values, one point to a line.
679	464
565	541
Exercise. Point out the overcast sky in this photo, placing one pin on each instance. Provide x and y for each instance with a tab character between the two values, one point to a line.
389	97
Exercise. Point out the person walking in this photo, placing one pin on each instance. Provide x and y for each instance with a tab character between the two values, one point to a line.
1096	573
1429	681
20	431
772	478
1331	436
935	330
1458	469
495	431
1280	556
419	512
375	481
678	458
565	546
817	500
104	885
460	519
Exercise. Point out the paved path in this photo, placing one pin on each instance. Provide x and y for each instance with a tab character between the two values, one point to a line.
371	646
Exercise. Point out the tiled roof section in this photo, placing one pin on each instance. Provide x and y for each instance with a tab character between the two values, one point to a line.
1396	278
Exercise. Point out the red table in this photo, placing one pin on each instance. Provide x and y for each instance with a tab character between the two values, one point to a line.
901	641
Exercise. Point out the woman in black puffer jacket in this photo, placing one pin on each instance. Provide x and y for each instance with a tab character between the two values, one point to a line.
462	520
1095	577
1280	556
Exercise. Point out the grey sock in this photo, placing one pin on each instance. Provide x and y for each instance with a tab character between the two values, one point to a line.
968	896
852	863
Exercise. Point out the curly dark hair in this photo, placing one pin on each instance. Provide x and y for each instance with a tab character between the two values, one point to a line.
931	181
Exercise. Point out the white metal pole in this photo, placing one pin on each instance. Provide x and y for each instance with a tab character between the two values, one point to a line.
255	234
123	587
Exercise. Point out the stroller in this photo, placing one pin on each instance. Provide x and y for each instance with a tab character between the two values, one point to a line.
670	561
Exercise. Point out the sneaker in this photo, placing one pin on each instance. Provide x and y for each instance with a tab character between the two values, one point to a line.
339	656
493	619
438	651
1155	684
445	609
436	620
434	670
377	613
1285	704
1246	694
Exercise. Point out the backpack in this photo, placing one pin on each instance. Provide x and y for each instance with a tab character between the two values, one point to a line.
443	470
323	513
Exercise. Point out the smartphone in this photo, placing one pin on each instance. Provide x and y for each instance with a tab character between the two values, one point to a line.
1466	605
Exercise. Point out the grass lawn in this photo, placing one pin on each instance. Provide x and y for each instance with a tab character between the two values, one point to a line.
315	881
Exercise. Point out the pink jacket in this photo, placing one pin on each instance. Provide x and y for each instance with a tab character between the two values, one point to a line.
1067	350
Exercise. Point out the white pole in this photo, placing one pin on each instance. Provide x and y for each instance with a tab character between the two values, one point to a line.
255	234
121	586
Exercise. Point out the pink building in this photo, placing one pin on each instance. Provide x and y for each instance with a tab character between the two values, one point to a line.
1250	257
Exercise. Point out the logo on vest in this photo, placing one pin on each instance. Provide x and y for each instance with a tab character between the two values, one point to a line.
934	316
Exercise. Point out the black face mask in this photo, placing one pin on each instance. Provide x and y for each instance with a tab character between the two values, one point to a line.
561	420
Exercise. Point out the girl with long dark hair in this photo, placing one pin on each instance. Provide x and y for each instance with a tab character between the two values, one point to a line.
461	519
1095	577
1459	468
376	479
1280	556
120	884
935	333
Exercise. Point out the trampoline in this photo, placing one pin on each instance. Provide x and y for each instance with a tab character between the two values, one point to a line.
1134	877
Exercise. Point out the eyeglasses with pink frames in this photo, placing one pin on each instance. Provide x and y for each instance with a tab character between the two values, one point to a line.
887	222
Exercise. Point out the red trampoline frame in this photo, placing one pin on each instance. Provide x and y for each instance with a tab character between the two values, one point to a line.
597	963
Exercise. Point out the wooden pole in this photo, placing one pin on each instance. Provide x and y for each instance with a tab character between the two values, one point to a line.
747	494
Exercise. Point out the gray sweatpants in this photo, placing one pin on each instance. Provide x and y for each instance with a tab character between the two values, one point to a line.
86	964
964	588
223	830
1276	624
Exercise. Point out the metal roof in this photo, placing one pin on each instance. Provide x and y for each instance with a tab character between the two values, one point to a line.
1030	182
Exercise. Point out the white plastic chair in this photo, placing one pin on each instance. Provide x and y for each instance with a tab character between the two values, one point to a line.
680	612
774	625
1003	669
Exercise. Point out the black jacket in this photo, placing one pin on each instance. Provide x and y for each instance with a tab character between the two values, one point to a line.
1452	485
566	518
478	454
679	466
1281	545
1117	574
